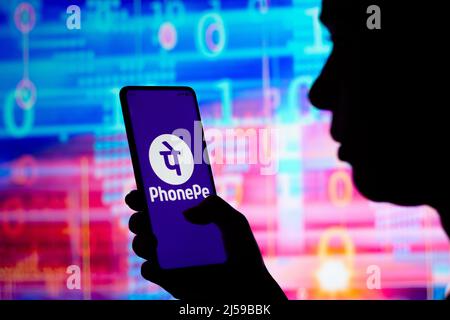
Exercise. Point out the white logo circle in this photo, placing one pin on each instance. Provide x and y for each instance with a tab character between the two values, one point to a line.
171	159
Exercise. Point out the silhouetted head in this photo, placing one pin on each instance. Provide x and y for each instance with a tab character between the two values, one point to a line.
386	89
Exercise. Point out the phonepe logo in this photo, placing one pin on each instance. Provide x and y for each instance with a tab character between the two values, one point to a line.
172	161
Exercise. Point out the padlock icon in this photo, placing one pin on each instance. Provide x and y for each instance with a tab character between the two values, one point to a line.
335	272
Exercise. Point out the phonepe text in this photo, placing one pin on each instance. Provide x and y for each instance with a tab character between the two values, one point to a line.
194	192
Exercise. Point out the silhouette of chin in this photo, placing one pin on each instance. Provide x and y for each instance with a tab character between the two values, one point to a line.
386	186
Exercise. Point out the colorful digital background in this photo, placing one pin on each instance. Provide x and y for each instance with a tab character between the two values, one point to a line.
65	166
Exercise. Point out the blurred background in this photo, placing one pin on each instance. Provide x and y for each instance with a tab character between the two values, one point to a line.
65	166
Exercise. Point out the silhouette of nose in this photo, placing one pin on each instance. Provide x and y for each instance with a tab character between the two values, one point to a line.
323	94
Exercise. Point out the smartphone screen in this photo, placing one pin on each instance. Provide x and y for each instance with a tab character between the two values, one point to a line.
165	136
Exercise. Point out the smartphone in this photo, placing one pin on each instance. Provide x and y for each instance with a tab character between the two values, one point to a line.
165	136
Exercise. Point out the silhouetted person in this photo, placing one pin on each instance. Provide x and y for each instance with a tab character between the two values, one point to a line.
386	89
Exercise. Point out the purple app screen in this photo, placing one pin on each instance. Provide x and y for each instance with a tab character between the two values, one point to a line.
172	180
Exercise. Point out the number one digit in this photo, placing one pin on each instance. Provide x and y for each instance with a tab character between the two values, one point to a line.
227	108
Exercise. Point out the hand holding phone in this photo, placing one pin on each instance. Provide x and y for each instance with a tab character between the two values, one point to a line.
197	246
243	277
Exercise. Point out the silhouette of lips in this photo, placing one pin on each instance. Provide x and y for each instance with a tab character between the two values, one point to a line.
342	154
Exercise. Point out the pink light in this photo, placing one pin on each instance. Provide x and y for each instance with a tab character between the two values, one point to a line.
209	37
25	94
167	36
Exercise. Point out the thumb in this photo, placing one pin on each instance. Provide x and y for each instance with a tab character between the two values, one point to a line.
236	232
216	210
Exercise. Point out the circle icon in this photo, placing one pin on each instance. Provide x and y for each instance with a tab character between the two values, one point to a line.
167	36
24	171
171	159
25	94
24	17
211	35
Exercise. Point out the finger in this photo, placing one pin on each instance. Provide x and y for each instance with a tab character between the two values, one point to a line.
151	272
144	246
135	200
206	211
215	209
139	223
236	232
